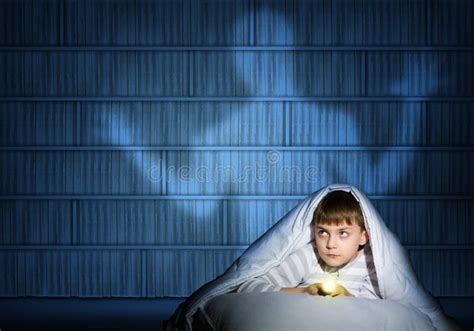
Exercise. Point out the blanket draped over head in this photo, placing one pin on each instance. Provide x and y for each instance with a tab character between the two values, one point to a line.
396	277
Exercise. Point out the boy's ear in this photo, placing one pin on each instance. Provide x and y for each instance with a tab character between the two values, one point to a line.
364	238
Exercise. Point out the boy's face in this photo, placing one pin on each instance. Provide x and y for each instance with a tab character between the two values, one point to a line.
339	244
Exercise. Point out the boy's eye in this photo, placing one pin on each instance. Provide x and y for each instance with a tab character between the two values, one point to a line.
321	232
344	234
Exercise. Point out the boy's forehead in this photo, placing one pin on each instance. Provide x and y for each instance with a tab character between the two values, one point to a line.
341	226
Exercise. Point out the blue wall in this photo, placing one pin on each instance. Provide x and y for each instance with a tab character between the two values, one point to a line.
145	144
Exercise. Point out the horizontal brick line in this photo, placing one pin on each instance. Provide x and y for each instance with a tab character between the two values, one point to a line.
216	197
236	99
237	148
122	247
398	48
191	247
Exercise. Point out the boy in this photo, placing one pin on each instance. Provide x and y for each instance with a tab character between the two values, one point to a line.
326	234
340	252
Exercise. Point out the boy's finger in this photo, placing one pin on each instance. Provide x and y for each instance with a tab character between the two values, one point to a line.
314	289
337	291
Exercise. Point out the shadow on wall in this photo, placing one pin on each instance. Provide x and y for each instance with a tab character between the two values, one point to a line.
363	124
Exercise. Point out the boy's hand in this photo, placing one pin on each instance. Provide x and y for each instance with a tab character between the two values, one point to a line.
339	290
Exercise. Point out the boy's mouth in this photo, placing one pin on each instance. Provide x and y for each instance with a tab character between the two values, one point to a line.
332	255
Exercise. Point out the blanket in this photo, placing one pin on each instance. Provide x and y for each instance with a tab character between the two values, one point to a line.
396	277
271	311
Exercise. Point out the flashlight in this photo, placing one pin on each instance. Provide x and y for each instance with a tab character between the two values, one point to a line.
328	286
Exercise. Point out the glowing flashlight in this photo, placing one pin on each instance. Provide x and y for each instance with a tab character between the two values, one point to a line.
328	286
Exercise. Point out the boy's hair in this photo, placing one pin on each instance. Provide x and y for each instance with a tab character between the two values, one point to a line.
338	207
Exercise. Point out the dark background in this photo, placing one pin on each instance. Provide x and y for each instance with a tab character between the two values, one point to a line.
145	144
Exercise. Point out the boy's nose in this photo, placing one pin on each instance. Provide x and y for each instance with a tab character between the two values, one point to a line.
331	243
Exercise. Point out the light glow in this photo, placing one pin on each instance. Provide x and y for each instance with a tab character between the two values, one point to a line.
328	286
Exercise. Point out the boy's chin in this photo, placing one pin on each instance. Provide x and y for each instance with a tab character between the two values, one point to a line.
333	264
336	264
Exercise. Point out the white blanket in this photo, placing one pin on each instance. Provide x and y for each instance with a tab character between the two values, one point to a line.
280	311
396	278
